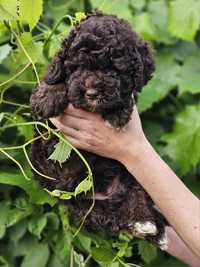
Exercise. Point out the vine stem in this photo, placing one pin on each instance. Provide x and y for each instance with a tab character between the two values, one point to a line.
127	264
56	26
14	103
87	259
72	257
24	82
15	76
26	155
27	55
16	162
90	176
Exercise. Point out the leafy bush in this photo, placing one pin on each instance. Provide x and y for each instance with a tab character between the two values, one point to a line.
34	229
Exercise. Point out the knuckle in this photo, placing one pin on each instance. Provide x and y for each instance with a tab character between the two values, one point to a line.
90	140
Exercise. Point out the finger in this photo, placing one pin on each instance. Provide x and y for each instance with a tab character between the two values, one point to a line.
73	122
74	142
65	129
79	113
77	143
63	121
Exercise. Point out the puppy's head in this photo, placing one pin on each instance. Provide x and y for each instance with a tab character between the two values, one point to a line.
94	90
102	62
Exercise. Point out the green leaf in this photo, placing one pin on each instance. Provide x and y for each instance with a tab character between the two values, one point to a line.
31	187
60	194
158	12
30	11
3	217
84	186
144	26
34	49
184	18
122	247
8	10
55	261
122	11
36	224
3	262
17	231
37	256
62	152
79	16
165	78
52	220
138	5
4	51
147	251
189	75
84	242
102	254
183	143
15	215
27	130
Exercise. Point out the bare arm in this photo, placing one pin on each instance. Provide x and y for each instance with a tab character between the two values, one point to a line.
176	202
130	146
178	249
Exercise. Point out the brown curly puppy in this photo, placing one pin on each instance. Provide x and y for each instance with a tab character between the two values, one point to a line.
101	65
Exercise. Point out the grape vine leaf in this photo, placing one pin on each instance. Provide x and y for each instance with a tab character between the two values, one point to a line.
62	152
37	256
8	10
60	194
84	186
30	11
115	8
36	224
183	143
147	251
34	49
144	26
189	75
31	187
158	13
103	254
138	5
165	78
184	18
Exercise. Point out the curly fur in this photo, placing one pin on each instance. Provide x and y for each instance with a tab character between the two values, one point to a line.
99	67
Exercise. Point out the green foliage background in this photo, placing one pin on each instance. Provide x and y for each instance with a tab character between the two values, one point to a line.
34	229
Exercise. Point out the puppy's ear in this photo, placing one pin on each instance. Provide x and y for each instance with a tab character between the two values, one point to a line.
56	70
146	54
48	100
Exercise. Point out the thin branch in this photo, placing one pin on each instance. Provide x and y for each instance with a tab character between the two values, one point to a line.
15	76
27	55
16	162
56	26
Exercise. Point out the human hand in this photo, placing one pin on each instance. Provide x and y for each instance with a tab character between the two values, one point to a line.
88	131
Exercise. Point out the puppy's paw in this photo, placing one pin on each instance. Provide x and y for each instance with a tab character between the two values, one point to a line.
48	100
145	228
163	242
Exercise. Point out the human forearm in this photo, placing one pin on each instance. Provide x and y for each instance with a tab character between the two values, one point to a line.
178	249
180	207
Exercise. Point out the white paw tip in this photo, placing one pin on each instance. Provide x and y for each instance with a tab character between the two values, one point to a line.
145	228
163	242
107	123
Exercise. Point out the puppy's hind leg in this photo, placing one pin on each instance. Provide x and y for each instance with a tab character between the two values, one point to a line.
145	223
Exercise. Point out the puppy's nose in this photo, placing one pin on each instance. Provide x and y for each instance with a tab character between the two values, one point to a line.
91	93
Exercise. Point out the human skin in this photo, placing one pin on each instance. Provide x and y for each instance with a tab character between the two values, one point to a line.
130	146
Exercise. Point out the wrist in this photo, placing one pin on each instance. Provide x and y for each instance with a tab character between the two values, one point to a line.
136	153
